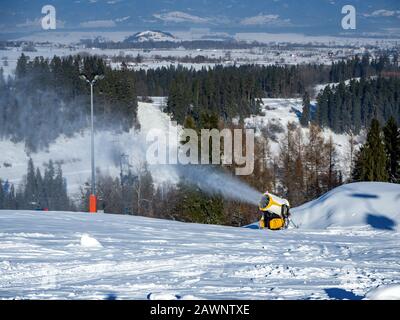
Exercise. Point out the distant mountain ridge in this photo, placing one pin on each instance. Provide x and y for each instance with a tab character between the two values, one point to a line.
152	36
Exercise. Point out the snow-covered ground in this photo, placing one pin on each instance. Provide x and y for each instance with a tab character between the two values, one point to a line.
61	255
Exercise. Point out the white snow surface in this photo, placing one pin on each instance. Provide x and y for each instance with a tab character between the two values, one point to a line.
375	204
89	242
385	293
142	258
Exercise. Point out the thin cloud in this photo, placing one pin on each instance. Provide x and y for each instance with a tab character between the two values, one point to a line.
178	17
383	13
98	24
265	19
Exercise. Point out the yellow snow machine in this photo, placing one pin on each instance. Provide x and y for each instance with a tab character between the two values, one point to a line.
274	212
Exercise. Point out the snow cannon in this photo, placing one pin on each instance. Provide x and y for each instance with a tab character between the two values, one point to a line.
274	212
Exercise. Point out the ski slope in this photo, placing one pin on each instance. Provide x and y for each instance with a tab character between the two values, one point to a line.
63	255
74	152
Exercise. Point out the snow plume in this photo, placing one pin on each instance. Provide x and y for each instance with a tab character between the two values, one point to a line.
208	178
215	182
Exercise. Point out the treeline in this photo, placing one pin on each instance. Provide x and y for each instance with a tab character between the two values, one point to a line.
351	107
234	92
154	45
362	67
379	158
306	166
47	98
226	92
47	191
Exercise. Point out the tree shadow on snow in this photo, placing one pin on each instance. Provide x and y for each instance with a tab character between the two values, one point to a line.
340	294
364	195
380	222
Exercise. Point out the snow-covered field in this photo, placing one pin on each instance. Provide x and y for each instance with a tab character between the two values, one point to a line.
261	56
61	255
325	51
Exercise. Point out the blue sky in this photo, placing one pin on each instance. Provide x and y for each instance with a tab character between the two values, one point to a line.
309	16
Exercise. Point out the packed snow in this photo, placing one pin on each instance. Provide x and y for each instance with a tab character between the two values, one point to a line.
56	255
90	242
385	293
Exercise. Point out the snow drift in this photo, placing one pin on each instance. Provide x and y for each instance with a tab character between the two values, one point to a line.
375	204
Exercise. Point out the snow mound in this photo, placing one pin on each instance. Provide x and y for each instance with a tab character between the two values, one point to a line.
162	296
90	242
391	292
373	204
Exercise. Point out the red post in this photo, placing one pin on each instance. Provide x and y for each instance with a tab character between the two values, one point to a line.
93	204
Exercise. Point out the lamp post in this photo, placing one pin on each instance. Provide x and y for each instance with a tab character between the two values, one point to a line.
93	199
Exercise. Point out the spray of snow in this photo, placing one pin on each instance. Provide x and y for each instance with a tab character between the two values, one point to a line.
208	178
215	182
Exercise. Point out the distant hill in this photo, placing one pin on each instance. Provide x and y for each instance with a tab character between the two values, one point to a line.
151	36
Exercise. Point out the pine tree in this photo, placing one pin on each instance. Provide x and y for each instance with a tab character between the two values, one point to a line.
392	146
49	186
306	115
371	162
59	194
31	188
42	199
21	68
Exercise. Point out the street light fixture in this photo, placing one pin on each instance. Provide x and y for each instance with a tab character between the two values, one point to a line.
93	199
